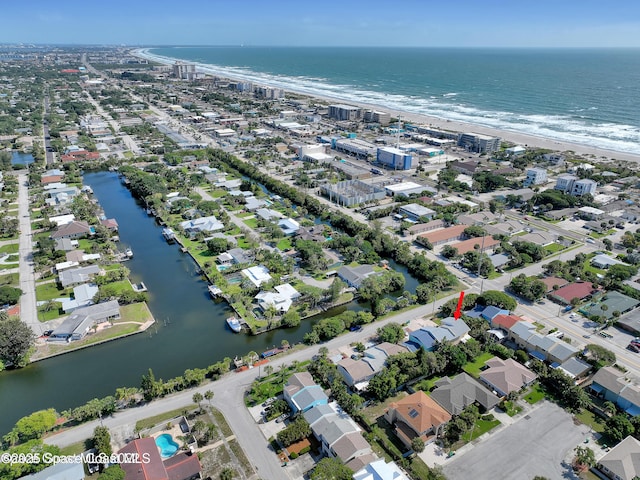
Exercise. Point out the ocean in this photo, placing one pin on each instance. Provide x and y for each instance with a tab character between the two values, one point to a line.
585	96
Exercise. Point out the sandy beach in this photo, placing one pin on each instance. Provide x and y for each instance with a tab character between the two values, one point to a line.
518	138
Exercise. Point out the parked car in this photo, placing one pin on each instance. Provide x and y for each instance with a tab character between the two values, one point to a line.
282	418
590	240
47	333
633	348
269	401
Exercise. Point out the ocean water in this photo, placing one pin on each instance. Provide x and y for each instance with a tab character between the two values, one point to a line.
585	96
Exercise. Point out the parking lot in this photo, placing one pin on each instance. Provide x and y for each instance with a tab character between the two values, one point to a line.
540	443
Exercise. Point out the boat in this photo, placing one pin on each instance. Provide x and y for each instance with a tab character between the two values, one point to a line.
129	253
234	324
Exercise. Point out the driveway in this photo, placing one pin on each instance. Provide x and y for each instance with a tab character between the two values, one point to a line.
539	443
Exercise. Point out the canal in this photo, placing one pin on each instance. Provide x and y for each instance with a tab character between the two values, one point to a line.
190	330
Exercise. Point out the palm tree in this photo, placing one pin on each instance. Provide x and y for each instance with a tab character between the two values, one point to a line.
208	395
197	398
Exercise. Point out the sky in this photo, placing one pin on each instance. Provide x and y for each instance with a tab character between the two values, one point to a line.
416	23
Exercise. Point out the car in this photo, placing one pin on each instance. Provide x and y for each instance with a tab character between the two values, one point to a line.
590	240
47	333
355	328
633	348
282	418
269	401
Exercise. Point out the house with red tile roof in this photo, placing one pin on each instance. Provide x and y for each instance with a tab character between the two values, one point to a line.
505	322
550	282
417	415
79	155
579	290
46	180
150	466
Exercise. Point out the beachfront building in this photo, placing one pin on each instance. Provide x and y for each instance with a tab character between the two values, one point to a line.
343	112
571	185
475	142
383	118
535	176
394	158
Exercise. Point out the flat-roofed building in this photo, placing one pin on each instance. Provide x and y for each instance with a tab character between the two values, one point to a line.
394	158
415	211
446	235
344	112
478	143
352	192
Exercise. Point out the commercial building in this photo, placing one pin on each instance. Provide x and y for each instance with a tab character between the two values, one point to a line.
353	146
445	235
394	158
407	188
415	211
475	142
535	176
383	118
352	192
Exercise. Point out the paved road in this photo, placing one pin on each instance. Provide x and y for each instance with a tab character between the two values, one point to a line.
229	395
28	309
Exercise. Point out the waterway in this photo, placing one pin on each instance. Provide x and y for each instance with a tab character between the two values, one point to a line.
190	330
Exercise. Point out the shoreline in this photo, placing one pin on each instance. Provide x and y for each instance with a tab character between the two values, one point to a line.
518	138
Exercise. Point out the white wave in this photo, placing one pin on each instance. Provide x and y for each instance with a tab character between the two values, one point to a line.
563	128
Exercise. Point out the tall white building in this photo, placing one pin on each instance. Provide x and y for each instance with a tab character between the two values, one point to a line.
573	186
345	112
535	176
565	183
479	143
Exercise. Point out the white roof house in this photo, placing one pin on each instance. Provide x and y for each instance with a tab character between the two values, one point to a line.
289	226
257	275
62	219
379	470
281	299
203	224
82	296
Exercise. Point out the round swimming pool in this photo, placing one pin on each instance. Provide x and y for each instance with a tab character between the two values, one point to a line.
168	447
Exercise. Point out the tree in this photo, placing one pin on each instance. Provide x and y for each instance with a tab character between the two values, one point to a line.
291	319
34	425
417	445
600	356
391	332
102	440
197	398
9	295
227	474
584	457
449	252
209	395
217	245
618	427
16	340
331	469
498	299
114	472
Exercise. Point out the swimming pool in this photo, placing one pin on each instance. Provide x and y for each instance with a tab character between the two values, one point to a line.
168	447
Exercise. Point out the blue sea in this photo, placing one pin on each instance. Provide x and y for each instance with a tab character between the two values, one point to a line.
585	96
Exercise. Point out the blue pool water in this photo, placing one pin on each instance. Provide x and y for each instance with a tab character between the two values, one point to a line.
168	447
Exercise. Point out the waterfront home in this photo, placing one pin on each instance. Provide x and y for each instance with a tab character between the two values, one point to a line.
82	320
357	373
267	214
289	226
82	297
79	155
354	276
71	230
253	203
201	225
110	223
257	275
302	393
614	386
282	299
506	376
149	465
417	415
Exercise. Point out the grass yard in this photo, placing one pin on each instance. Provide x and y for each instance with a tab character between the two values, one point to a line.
374	411
242	243
218	193
77	448
553	248
8	266
134	312
591	419
119	287
12	279
512	408
52	314
284	244
427	384
251	223
162	417
536	394
49	291
481	427
85	244
11	248
473	368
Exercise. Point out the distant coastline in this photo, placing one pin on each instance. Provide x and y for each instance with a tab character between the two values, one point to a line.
516	137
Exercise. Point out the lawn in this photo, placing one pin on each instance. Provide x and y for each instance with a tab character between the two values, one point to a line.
55	312
553	248
218	193
11	248
135	312
473	368
251	223
85	244
536	394
284	244
119	287
512	408
49	291
480	428
8	266
591	419
242	243
163	417
373	412
10	279
426	385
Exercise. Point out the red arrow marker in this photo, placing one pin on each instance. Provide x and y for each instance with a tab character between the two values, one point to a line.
456	314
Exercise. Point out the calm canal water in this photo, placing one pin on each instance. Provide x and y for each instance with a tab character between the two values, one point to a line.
195	334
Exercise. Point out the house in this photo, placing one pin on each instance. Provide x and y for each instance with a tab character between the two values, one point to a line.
520	333
354	276
499	260
479	244
445	235
357	373
579	290
427	338
71	230
490	312
457	393
622	462
150	466
552	282
267	214
539	238
257	275
417	415
605	261
79	155
59	471
82	297
202	224
110	223
379	470
60	220
78	256
77	275
480	218
48	179
504	321
65	244
289	226
575	368
253	203
509	228
281	299
302	393
239	256
614	386
506	376
78	324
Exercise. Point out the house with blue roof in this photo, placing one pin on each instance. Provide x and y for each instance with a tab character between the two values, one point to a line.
302	393
490	312
450	329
